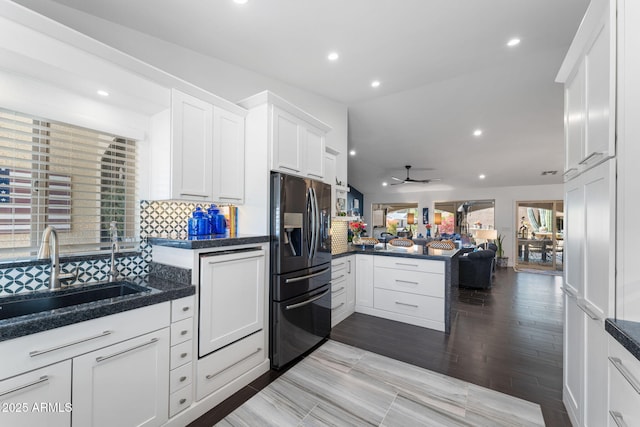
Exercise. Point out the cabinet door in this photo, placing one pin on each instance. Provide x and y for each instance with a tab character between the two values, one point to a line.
364	280
38	398
231	298
595	373
191	147
287	146
330	169
351	284
573	362
599	242
574	119
574	236
228	157
600	91
313	152
126	384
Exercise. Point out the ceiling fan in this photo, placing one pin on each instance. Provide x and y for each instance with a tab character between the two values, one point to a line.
409	180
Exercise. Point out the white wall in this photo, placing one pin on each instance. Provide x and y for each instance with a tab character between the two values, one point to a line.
505	204
216	76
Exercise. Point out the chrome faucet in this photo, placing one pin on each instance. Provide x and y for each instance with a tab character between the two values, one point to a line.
115	247
49	242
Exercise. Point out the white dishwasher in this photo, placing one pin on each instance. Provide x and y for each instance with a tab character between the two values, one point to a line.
231	297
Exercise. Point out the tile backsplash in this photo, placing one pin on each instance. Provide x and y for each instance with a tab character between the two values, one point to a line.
157	219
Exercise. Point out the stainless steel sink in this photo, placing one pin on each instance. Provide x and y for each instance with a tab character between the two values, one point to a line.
21	305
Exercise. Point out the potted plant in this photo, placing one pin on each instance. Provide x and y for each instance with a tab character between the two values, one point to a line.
501	260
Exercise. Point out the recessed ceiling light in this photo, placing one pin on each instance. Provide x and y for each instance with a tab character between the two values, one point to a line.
481	176
375	83
384	184
240	1
513	42
477	132
352	152
102	92
333	56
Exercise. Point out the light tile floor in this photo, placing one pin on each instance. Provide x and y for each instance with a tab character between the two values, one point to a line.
340	385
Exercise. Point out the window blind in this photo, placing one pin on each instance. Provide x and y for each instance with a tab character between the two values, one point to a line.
76	179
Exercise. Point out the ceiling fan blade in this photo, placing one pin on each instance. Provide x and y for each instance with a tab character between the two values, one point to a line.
397	179
397	183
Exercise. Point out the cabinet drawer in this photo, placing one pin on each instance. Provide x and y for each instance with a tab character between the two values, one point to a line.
182	308
180	377
44	348
421	306
228	363
338	302
338	285
338	267
426	265
415	282
624	401
181	331
181	354
629	362
180	400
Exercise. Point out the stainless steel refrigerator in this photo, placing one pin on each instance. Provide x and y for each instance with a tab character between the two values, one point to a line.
300	285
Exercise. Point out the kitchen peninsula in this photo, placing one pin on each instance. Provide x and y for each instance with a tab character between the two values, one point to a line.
411	285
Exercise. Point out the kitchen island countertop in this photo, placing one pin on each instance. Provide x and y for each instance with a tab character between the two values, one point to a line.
419	252
209	241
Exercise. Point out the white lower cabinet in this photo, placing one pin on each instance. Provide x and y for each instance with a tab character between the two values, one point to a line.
41	397
364	281
125	384
342	288
624	387
573	362
181	364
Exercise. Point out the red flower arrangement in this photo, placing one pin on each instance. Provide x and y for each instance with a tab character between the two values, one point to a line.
428	226
357	227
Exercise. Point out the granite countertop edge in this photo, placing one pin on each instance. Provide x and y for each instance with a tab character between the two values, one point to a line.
161	290
627	333
369	251
209	242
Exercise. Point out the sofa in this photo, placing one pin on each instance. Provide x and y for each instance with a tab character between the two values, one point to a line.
476	269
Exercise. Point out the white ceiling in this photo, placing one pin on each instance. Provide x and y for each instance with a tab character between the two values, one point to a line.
444	66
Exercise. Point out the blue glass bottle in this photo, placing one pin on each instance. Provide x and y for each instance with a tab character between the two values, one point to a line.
198	224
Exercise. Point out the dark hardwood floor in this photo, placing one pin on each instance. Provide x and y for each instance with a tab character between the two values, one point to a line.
508	338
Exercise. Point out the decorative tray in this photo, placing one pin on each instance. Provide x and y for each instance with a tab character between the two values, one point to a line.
366	241
401	242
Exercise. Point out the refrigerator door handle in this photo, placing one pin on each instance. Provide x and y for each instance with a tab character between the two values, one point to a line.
311	223
316	233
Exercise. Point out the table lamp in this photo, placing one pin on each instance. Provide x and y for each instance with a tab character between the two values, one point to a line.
437	220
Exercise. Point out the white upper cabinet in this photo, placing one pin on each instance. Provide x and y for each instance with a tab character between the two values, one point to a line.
197	151
296	139
228	156
191	147
589	75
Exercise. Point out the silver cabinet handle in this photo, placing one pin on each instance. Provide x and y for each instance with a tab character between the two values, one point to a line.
338	290
60	347
309	301
184	332
625	373
589	157
183	379
194	195
570	171
308	276
182	401
338	265
337	278
185	308
568	291
408	305
103	358
183	355
338	306
210	376
408	265
349	270
40	380
407	281
588	311
617	418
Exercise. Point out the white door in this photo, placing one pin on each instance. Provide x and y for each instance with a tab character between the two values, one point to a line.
191	147
38	398
126	384
287	146
228	156
364	280
231	298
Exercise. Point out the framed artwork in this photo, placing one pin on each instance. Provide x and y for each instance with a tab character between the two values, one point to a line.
425	215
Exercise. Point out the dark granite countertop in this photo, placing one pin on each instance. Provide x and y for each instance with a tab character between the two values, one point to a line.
416	251
158	290
626	333
205	242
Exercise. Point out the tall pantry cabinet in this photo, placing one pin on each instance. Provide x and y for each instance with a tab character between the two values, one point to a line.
589	76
